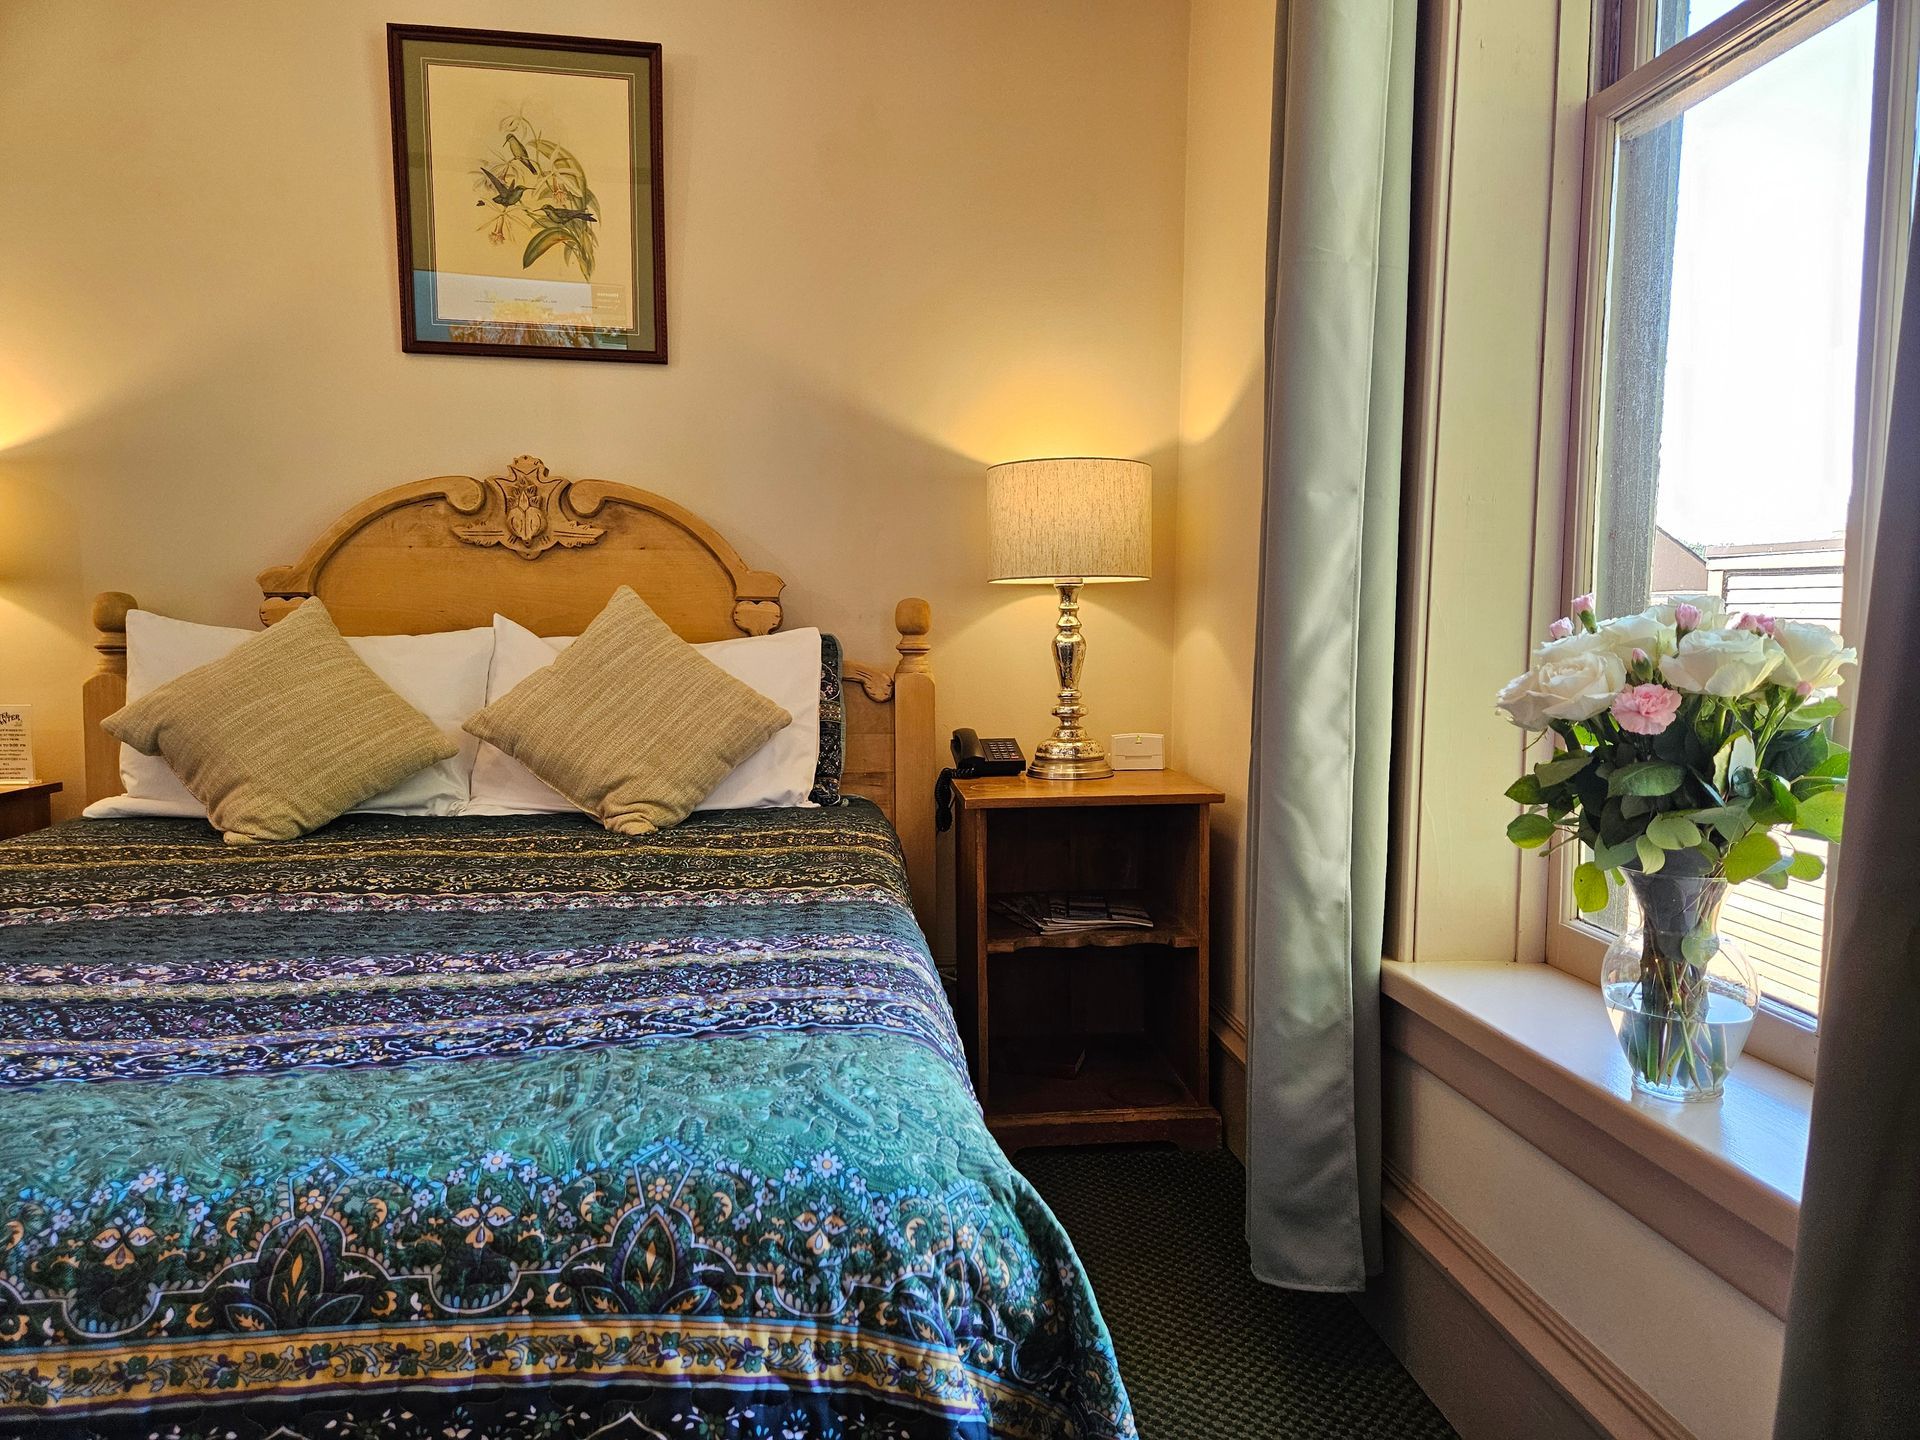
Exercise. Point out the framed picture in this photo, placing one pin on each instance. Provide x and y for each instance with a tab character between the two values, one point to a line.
528	184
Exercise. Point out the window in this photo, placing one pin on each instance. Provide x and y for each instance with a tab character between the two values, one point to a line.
1749	187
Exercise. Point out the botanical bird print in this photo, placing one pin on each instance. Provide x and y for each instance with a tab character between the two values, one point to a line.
539	191
504	194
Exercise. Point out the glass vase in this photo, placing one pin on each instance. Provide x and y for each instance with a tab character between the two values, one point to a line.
1681	996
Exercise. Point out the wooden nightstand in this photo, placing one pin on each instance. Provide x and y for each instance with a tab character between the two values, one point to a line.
1095	1035
25	808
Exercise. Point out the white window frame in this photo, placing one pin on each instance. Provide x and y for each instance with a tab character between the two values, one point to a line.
1744	38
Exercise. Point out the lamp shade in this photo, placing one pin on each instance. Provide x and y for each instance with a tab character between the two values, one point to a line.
1069	519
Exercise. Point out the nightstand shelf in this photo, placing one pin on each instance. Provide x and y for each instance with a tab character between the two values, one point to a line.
1004	937
1094	1035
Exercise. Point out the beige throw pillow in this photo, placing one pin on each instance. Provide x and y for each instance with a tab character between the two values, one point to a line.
631	722
287	731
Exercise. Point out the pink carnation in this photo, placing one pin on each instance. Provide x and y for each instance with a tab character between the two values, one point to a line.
1758	624
1686	617
1560	629
1646	709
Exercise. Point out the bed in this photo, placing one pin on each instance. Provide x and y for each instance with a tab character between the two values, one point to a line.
512	1126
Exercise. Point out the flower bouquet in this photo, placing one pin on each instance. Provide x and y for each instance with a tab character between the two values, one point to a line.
1690	745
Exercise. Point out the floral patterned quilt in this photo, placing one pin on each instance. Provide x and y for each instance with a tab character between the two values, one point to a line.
503	1128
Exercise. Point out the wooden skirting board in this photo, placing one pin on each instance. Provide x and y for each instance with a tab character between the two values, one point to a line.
1566	1386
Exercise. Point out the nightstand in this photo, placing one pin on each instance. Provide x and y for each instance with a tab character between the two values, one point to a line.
1089	1035
25	808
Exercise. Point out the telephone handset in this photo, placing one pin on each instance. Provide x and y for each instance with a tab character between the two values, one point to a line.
972	758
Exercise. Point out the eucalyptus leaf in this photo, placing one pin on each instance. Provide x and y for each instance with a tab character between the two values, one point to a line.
1589	887
1652	857
1751	855
1612	857
1530	831
1806	866
1834	767
1817	710
1822	813
1730	821
1673	831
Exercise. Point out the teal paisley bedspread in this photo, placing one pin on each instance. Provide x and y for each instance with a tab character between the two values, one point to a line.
505	1128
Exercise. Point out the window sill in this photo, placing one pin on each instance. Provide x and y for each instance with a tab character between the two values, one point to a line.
1531	1045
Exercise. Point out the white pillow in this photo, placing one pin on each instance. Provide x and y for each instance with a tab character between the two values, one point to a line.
784	667
443	676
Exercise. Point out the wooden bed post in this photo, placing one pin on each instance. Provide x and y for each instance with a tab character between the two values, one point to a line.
915	761
105	692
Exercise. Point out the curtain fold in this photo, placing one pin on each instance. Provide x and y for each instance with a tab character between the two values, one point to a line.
1852	1362
1338	239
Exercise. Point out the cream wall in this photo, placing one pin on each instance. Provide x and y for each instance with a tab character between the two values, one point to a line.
904	241
1217	526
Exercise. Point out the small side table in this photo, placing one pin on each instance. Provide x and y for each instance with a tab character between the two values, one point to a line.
1091	1035
28	807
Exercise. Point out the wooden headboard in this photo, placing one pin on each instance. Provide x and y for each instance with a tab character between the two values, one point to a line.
450	552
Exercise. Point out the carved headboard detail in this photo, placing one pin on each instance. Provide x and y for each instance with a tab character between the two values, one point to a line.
368	566
449	552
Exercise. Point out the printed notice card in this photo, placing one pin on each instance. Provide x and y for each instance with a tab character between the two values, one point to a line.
16	745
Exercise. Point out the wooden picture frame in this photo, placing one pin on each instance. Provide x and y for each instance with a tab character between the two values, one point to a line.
529	194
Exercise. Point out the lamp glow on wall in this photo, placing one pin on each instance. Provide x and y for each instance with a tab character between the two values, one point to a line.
1067	523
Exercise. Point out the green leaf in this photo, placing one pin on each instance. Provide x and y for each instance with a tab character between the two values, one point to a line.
1834	767
1817	710
1751	855
1646	777
1529	831
1806	866
1775	803
1822	813
543	241
1557	771
1698	947
1730	822
1612	857
1526	791
1794	753
1652	857
1589	887
1673	831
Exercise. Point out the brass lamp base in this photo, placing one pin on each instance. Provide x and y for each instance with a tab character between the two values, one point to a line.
1088	761
1071	754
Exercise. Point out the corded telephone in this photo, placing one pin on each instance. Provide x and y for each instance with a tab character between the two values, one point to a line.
972	758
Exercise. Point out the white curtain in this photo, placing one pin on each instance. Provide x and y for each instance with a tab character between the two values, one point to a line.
1323	691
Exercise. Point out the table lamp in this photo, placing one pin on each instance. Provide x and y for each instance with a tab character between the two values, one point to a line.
1068	523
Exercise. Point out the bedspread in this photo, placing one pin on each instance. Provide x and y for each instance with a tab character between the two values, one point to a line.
509	1127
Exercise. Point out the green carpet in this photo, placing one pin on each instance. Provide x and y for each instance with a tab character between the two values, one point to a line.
1207	1351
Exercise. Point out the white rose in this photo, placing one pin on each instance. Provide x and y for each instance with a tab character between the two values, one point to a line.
1713	610
1618	637
1567	686
1720	662
1809	654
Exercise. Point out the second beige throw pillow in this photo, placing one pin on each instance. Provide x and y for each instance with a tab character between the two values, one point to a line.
631	722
